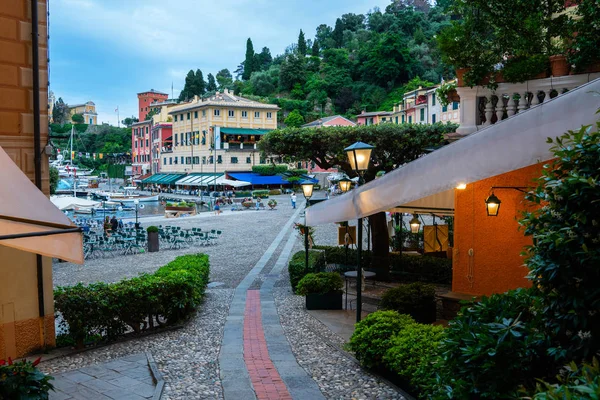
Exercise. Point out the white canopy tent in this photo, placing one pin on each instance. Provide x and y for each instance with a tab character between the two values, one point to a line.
427	184
70	202
228	182
30	222
198	180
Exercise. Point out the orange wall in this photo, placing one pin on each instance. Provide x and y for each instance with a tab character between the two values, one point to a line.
496	242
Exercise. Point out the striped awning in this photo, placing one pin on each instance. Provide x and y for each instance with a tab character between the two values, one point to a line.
198	179
163	179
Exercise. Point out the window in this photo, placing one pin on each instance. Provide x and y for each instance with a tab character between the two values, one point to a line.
170	160
203	137
455	105
231	113
147	143
176	140
136	144
204	113
195	114
422	114
175	161
433	118
433	99
256	114
244	114
165	161
383	119
219	159
396	120
142	109
188	160
262	161
444	108
146	130
248	160
210	159
175	118
410	119
217	113
269	115
234	160
181	159
196	160
203	159
188	116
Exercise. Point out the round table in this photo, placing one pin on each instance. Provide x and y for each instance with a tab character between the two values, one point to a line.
352	275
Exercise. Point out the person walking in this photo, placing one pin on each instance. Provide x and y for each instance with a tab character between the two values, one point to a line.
293	197
258	203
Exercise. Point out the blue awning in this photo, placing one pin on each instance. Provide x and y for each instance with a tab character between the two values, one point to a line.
257	179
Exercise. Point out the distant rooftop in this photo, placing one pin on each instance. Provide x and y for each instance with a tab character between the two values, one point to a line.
324	120
153	91
375	113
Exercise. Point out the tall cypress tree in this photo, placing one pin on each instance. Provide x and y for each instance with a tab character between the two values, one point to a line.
189	87
249	62
315	49
301	44
211	86
200	84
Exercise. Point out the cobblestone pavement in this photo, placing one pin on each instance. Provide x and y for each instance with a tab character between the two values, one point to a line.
302	355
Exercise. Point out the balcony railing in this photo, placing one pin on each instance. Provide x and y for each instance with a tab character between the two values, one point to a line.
481	106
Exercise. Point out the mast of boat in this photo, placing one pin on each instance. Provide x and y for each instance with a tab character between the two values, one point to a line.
72	165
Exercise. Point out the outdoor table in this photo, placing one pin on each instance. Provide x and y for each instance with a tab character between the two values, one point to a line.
352	275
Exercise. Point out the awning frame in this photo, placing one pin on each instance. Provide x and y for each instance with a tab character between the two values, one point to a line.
61	229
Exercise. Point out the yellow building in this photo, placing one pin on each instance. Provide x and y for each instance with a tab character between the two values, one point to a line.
87	110
218	134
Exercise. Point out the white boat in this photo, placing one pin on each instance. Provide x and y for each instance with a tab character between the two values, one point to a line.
126	197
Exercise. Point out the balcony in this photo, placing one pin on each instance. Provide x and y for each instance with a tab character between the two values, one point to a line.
481	107
236	146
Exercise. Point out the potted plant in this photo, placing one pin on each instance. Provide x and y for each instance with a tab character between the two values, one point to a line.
22	380
272	204
302	229
152	239
323	290
446	93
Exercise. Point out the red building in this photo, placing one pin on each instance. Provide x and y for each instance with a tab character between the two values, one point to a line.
162	143
145	99
140	147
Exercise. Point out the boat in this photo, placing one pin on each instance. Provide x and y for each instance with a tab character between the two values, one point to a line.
127	196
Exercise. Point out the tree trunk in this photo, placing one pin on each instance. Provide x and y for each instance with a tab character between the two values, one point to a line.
380	261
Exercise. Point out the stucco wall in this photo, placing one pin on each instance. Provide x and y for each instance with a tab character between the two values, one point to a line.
496	242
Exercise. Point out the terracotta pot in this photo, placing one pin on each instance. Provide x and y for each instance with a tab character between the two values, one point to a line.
453	96
460	72
559	65
499	78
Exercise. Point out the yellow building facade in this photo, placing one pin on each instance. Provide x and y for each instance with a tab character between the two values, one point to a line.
87	110
218	134
26	323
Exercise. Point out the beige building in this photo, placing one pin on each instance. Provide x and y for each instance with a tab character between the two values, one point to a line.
88	110
217	134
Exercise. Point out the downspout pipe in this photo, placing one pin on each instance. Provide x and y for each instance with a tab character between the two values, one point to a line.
37	148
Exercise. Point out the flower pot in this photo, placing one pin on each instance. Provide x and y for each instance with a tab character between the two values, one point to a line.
453	96
327	301
460	72
559	65
153	242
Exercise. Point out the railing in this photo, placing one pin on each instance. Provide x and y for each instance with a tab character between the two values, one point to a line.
480	106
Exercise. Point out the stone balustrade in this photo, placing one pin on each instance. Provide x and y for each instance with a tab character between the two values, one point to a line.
481	106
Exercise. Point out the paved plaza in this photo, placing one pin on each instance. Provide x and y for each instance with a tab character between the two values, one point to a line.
251	338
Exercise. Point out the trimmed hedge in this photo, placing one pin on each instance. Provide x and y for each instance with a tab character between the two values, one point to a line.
415	299
274	192
316	263
321	283
270	169
262	193
412	268
243	193
169	295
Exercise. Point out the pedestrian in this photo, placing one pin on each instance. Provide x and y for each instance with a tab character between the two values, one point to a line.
106	225
293	198
257	203
114	224
121	225
217	209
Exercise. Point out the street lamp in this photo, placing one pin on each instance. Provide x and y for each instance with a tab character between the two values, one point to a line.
359	156
136	202
345	184
415	224
492	205
307	191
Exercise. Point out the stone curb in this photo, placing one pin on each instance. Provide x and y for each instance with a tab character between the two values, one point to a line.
156	376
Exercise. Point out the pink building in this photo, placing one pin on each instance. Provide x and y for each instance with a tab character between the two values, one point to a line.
162	143
374	118
335	120
141	156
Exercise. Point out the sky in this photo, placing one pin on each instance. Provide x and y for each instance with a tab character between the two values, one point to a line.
107	51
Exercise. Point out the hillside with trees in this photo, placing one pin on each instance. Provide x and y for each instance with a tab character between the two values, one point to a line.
363	62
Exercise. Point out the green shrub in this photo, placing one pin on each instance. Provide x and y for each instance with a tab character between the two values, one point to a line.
521	69
260	193
576	383
415	299
414	353
493	347
321	282
272	203
296	266
152	229
270	169
274	192
245	193
21	380
107	310
411	268
372	336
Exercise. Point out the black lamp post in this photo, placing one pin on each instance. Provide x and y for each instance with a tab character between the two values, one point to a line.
137	203
307	191
359	155
492	205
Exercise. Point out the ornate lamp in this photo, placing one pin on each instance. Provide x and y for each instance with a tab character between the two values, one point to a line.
492	205
415	224
359	155
307	189
345	184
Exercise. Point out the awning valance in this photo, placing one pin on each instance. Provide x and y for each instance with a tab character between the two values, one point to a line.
244	131
162	179
429	182
201	179
30	222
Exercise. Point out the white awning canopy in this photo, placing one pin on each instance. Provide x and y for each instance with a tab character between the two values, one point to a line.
30	222
428	183
198	180
70	202
229	182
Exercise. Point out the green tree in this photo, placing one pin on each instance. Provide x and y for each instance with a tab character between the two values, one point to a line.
199	87
301	44
263	59
130	121
151	113
224	79
263	84
388	61
77	118
249	61
294	119
188	89
315	49
53	180
211	86
292	71
61	113
394	144
323	37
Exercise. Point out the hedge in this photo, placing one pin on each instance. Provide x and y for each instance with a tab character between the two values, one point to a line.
274	192
415	299
169	295
269	169
296	266
411	268
243	193
261	192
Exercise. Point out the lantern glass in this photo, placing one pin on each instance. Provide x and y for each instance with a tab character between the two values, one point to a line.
345	184
359	155
492	204
415	224
307	189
